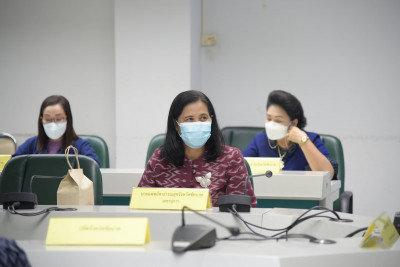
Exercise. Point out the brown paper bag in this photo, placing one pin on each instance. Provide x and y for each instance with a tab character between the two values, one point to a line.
75	188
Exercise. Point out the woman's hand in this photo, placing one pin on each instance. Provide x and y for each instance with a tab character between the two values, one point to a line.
316	160
295	134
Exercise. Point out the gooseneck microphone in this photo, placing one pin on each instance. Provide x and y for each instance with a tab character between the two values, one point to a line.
242	202
196	236
267	174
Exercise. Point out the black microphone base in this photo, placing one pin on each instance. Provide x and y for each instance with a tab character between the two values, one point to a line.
242	202
26	200
191	237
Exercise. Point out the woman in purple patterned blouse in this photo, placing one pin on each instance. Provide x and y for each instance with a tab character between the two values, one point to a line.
194	154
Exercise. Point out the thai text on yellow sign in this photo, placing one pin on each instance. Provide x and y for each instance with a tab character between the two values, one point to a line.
170	198
98	231
260	165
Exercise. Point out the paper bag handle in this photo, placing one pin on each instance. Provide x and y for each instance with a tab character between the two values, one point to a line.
76	155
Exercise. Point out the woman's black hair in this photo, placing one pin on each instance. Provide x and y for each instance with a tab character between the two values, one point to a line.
290	104
174	149
69	136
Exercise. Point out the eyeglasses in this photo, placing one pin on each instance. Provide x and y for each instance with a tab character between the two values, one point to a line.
56	120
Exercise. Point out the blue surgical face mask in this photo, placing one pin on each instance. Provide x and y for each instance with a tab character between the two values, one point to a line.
195	134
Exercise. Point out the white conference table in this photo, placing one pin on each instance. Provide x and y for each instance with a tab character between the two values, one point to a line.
30	234
119	183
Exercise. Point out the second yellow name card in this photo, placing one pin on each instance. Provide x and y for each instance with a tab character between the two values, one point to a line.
260	165
98	231
3	160
380	234
170	198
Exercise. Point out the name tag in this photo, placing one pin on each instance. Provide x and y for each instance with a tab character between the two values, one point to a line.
381	233
98	231
170	198
262	165
3	160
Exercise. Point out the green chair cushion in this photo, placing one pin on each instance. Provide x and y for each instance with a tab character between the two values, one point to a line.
335	149
240	137
155	143
100	148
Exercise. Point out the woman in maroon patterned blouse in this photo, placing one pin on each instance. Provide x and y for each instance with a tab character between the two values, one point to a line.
194	154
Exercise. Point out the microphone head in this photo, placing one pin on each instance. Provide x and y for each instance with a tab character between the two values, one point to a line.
268	174
235	231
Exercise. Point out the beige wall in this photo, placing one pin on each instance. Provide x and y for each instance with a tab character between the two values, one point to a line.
57	47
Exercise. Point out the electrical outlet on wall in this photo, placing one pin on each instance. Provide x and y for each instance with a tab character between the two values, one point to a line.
208	40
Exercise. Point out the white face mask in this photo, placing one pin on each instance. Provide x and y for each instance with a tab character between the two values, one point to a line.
55	130
275	131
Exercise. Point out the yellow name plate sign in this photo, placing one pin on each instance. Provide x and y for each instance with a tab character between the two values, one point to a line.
381	233
3	160
260	165
170	198
98	231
